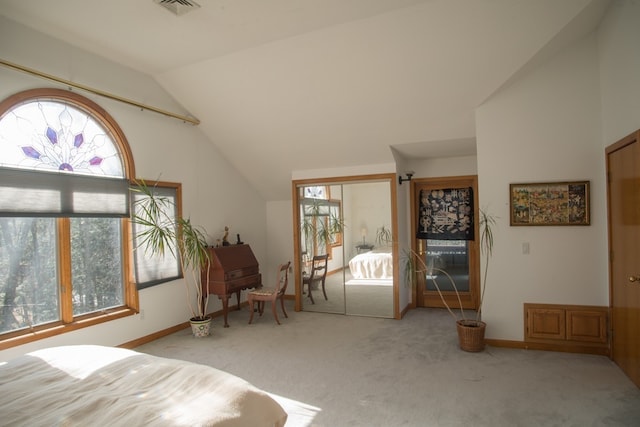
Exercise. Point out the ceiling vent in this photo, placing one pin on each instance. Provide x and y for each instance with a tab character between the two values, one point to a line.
178	7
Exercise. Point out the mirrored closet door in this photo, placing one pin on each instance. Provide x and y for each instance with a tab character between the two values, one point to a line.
345	251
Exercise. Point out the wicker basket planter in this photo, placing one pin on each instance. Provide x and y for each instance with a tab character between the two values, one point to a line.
471	334
470	331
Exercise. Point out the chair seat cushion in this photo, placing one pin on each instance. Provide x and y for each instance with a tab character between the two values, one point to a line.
263	292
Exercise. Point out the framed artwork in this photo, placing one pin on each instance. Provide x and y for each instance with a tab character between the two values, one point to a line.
446	214
549	203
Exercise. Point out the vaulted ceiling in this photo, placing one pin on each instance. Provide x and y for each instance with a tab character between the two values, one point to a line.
284	85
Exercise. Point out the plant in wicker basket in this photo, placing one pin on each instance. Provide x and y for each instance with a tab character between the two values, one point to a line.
470	331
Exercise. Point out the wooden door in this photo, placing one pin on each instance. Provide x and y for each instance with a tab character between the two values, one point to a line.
460	259
623	190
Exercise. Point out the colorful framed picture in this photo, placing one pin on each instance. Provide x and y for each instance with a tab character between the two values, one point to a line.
549	203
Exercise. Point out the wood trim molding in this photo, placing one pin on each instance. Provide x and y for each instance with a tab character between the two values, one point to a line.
564	348
168	331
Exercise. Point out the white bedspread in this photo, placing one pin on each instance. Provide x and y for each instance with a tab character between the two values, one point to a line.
375	264
106	386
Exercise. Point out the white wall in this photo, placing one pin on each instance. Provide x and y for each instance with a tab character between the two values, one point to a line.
553	124
618	41
214	194
370	206
546	126
448	166
279	242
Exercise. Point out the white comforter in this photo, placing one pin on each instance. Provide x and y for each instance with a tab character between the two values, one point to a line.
375	264
106	386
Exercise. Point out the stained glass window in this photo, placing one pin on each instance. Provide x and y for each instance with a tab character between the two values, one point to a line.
54	136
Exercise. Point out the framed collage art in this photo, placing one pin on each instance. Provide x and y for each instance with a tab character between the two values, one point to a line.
549	203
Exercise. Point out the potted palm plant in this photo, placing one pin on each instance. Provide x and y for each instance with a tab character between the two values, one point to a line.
384	236
160	234
320	225
470	330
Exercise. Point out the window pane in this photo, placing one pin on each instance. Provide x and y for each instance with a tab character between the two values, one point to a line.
153	269
28	273
31	193
96	264
452	257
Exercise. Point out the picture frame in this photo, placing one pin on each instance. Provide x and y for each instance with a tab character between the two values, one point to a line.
549	203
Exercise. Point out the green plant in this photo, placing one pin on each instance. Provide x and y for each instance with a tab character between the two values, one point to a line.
487	222
320	225
161	234
326	231
383	236
415	264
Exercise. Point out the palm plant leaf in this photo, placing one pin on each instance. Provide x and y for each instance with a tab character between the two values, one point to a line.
415	264
159	233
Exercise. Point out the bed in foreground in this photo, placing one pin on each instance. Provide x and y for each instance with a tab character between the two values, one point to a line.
95	385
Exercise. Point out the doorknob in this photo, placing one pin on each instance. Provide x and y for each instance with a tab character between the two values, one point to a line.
634	278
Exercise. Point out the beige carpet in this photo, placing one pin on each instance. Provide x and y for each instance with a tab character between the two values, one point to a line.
356	297
333	370
369	282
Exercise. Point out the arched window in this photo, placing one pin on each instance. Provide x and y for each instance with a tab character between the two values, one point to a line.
65	168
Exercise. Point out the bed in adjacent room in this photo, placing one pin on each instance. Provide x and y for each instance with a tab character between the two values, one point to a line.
375	264
95	385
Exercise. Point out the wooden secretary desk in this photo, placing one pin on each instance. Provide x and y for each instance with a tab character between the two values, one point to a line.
232	269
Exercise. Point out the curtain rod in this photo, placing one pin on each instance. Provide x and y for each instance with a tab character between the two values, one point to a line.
31	71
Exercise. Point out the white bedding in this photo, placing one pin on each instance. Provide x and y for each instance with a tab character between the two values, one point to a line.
107	386
375	264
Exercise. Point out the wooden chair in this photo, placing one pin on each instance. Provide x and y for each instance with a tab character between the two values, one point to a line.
318	274
271	294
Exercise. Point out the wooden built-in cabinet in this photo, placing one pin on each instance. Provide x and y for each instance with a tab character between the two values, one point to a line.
572	328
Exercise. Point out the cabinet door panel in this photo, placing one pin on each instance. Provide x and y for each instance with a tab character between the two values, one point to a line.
585	325
546	323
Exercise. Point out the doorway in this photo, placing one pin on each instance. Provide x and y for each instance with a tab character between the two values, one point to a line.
623	194
442	240
349	223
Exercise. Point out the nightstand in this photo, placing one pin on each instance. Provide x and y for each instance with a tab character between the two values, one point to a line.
363	247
